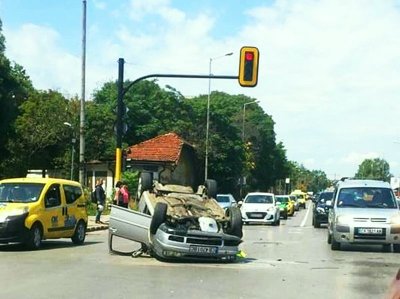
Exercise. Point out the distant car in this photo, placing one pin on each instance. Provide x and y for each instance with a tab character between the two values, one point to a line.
35	209
285	204
301	197
259	207
364	212
320	209
226	200
296	204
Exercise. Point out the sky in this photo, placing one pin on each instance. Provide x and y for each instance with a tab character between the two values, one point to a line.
329	71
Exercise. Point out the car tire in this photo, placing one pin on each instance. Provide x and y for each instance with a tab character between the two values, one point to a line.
34	239
387	248
335	245
80	233
211	186
159	217
396	248
285	216
317	224
235	222
329	239
146	179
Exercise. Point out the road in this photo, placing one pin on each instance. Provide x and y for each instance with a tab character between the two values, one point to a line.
289	261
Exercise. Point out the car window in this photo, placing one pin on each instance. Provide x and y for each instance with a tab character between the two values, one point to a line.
53	196
222	198
259	199
72	193
282	199
325	196
20	192
366	197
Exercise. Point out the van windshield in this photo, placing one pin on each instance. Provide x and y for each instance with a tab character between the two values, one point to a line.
366	197
20	192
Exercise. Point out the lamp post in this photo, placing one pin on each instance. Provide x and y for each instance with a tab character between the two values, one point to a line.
244	115
208	112
73	140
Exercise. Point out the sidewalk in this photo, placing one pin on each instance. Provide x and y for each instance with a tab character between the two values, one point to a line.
93	226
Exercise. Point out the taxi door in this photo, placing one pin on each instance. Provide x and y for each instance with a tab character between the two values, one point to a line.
53	216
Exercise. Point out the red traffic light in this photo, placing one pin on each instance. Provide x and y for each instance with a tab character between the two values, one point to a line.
248	66
249	56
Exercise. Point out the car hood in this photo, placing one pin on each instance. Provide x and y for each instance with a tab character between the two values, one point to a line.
367	212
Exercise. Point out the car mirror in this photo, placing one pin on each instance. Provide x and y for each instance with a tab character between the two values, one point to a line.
328	203
240	203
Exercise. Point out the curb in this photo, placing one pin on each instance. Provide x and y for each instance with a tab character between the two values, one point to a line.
97	227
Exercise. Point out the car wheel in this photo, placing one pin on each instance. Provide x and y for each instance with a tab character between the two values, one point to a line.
285	216
313	221
235	222
335	245
159	217
396	248
329	240
317	224
387	248
211	186
278	222
35	235
80	233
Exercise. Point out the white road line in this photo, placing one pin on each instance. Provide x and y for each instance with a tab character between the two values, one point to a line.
305	217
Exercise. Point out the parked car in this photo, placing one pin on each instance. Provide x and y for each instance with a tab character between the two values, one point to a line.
226	200
320	209
260	207
35	209
174	222
364	212
285	204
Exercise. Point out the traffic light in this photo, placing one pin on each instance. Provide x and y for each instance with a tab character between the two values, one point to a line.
248	66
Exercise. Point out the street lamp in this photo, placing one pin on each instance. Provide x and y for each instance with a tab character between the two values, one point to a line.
72	148
208	112
244	115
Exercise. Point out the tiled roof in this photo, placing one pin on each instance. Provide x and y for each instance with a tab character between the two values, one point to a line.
163	148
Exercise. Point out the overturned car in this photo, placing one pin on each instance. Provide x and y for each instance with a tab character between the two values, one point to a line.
175	222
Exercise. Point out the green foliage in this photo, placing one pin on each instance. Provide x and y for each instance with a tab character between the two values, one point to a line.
375	169
131	179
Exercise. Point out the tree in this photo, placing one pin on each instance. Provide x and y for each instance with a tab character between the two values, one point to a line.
376	169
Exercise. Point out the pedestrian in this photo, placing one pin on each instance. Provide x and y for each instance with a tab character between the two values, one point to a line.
101	199
125	195
118	195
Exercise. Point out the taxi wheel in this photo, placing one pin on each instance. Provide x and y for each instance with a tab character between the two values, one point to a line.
34	239
79	234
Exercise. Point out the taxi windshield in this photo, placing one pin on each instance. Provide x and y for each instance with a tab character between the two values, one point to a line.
282	199
20	192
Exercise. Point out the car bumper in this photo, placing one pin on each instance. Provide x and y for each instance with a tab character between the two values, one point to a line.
258	217
367	234
170	244
12	229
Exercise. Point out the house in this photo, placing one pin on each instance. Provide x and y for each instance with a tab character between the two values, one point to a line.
171	159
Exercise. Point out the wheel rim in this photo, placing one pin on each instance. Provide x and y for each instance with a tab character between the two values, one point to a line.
37	238
81	232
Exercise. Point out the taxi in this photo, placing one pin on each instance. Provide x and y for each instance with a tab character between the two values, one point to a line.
35	209
301	197
285	204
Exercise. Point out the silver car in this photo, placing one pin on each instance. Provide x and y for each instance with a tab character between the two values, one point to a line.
364	212
226	200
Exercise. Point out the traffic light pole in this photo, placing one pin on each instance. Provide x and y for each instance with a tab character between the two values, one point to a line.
120	104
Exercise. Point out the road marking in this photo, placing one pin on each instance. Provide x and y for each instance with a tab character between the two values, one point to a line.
305	217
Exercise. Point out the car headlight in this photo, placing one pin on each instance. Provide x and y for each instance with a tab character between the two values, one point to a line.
343	219
320	210
395	219
11	213
270	209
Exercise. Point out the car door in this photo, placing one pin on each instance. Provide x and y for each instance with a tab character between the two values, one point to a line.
53	215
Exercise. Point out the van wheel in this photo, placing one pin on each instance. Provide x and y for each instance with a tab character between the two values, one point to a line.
159	217
329	240
235	222
79	234
335	245
387	248
396	248
211	186
34	240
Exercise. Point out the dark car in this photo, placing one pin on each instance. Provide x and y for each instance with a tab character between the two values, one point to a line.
320	210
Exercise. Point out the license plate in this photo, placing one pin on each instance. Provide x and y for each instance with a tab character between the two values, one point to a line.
257	215
370	231
203	249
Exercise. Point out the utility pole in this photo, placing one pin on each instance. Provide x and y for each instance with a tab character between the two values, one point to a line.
82	112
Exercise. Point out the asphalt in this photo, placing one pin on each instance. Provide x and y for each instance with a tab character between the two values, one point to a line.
93	226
